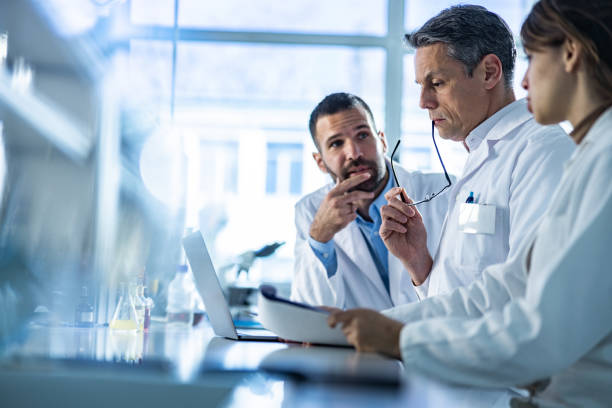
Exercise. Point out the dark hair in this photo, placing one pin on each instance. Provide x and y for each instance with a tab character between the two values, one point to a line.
334	103
551	22
469	32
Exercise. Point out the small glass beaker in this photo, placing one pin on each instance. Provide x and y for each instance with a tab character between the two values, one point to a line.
125	317
139	305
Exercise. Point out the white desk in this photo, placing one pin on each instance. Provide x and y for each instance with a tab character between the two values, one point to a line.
190	367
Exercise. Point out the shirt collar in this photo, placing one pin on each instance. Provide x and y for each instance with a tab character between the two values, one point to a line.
493	128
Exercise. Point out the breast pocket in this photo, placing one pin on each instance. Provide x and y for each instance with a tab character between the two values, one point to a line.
482	239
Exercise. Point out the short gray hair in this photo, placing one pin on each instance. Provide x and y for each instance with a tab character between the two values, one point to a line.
469	32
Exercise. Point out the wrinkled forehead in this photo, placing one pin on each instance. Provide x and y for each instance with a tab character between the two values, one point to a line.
433	60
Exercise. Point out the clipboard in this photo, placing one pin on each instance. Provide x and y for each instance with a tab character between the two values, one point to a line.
296	321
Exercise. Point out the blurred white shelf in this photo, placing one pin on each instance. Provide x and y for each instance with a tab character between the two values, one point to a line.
63	132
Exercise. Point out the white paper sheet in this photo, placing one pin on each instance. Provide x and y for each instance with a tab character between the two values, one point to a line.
298	324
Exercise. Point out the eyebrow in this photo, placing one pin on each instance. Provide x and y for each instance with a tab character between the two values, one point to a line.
430	75
337	135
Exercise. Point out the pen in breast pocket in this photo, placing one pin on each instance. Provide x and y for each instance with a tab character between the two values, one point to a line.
470	199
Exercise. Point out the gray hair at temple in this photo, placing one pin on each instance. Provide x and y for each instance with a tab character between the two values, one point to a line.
470	32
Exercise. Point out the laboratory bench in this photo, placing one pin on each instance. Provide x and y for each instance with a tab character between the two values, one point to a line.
191	367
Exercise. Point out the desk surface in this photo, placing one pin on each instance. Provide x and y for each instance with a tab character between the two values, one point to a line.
195	367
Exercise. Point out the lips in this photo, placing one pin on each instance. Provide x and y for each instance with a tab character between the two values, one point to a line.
358	170
360	166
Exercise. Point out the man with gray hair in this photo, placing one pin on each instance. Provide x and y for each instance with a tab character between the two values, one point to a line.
464	64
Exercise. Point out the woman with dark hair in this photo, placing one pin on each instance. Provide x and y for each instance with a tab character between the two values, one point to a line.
569	47
556	330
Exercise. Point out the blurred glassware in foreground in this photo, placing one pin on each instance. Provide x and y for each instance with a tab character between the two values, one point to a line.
125	317
22	75
149	304
139	305
180	298
84	313
3	48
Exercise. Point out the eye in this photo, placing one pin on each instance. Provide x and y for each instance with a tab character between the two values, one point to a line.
363	135
335	143
436	84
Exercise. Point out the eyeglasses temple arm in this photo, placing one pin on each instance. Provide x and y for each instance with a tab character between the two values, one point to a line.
440	157
393	169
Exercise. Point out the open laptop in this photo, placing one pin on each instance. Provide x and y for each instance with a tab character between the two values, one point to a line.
208	285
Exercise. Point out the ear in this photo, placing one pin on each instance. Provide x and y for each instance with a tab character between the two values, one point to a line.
383	139
319	160
572	53
492	72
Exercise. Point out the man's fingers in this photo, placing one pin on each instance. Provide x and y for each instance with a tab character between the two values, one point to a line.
332	319
346	184
390	225
336	318
390	212
330	309
354	196
407	210
393	193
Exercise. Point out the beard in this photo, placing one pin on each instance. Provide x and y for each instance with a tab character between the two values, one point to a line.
377	174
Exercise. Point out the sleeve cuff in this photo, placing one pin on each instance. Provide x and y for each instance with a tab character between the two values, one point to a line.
326	252
422	289
323	247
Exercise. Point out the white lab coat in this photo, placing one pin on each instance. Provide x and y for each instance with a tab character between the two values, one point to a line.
357	282
495	332
516	167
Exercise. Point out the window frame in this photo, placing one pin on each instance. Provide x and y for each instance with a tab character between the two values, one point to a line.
391	43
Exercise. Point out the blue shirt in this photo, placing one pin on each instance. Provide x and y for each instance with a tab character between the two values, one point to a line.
326	252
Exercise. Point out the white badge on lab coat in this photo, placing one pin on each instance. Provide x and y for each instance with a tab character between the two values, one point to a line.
477	218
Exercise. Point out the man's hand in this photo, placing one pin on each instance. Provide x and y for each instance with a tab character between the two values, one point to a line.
330	309
403	232
338	208
369	330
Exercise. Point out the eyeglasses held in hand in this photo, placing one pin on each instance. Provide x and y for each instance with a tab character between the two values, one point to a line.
431	196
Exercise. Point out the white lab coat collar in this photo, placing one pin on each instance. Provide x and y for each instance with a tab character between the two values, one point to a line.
595	135
351	237
492	130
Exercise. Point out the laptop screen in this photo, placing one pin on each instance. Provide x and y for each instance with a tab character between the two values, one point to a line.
208	285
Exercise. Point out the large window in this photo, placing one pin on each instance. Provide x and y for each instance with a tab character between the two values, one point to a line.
298	16
237	81
219	167
284	168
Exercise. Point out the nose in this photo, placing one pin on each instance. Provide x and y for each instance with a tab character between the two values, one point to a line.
525	81
427	100
352	150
